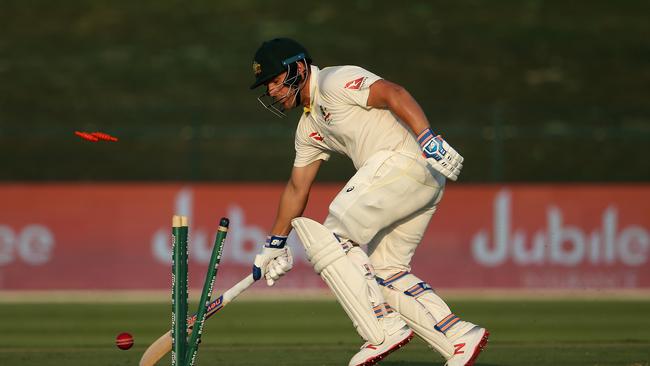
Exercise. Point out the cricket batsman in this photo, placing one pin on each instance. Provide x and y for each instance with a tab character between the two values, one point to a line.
402	167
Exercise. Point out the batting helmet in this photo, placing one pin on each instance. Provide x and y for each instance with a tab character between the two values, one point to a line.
273	58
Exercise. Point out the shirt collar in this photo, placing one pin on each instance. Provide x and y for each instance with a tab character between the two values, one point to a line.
313	87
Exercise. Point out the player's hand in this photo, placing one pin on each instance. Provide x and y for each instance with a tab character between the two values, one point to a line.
279	267
440	154
274	261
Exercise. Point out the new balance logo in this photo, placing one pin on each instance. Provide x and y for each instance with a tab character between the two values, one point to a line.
458	348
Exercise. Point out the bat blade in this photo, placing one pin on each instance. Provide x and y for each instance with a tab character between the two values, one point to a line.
157	350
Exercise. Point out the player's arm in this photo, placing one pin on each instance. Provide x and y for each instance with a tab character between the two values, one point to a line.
294	197
275	259
443	157
388	95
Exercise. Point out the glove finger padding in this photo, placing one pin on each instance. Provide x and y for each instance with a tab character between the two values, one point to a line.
273	276
451	163
442	157
278	267
286	261
276	270
274	273
262	260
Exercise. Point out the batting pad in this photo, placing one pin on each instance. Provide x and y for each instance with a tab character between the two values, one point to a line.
415	303
343	278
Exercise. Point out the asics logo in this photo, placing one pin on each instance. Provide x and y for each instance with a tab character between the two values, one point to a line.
355	84
316	136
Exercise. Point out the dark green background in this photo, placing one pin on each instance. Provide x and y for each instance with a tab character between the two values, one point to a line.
526	90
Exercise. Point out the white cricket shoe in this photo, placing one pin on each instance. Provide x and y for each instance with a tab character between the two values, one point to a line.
370	354
468	346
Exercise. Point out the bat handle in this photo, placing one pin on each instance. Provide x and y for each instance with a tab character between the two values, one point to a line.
237	289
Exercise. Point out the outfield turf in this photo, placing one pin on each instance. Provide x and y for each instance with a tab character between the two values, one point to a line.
585	332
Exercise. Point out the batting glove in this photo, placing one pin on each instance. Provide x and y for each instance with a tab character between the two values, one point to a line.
440	154
274	261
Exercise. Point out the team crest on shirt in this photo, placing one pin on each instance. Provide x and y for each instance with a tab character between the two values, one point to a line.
327	116
316	136
355	84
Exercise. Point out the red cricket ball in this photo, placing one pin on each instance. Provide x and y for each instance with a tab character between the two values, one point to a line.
124	341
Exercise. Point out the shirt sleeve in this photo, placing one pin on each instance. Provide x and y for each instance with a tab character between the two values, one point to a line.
307	145
349	85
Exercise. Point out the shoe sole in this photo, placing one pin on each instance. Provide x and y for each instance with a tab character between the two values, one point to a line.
373	360
479	347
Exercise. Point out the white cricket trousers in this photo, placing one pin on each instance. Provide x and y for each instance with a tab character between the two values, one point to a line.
387	205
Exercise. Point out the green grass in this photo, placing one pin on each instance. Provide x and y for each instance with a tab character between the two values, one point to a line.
318	333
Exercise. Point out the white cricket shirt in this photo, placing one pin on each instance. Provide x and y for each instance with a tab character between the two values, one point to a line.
340	120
